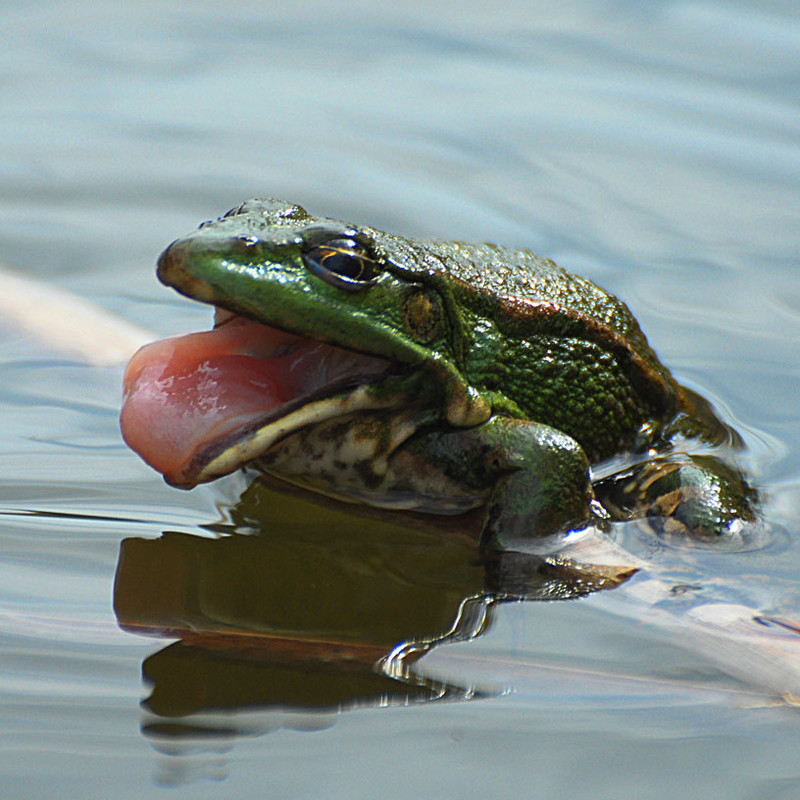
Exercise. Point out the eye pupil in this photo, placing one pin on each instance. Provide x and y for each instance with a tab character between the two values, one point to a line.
343	263
341	257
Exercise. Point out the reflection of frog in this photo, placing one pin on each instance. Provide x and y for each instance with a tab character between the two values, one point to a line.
314	608
434	376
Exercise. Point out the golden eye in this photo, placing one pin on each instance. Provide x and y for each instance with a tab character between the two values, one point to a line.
342	263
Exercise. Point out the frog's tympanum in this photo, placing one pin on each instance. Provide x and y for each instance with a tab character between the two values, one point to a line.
435	376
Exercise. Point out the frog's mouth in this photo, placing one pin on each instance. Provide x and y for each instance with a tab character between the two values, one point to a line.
200	406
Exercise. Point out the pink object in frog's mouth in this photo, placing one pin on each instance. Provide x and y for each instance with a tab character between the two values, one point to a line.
191	398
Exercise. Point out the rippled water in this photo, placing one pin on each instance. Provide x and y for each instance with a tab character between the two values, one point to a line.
653	146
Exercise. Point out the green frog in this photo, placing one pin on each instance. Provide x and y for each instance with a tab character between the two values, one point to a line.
435	376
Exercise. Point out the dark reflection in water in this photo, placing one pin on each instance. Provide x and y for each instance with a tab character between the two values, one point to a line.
310	608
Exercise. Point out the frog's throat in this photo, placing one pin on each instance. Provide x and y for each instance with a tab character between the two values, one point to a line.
225	456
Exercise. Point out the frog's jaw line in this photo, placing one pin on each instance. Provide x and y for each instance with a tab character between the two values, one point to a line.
212	463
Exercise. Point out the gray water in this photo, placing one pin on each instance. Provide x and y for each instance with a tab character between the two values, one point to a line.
653	146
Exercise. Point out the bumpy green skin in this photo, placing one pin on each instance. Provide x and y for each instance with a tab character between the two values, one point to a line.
513	374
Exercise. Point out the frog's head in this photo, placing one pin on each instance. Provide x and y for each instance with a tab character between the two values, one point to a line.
315	319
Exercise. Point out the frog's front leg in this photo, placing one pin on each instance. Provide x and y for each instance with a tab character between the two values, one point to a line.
698	496
537	477
532	479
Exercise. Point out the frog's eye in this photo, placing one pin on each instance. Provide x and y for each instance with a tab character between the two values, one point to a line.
342	263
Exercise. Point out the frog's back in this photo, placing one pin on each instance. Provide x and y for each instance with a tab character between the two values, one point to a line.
526	285
560	348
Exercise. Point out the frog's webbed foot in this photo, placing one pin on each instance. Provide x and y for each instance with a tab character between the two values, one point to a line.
699	420
695	496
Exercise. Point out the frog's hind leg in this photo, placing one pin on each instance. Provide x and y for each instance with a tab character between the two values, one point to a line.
696	496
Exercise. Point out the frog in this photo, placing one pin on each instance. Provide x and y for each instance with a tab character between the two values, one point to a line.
435	377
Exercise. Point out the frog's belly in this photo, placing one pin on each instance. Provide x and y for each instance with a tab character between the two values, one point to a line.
364	461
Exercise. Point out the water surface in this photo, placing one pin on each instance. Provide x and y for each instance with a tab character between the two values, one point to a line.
652	146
